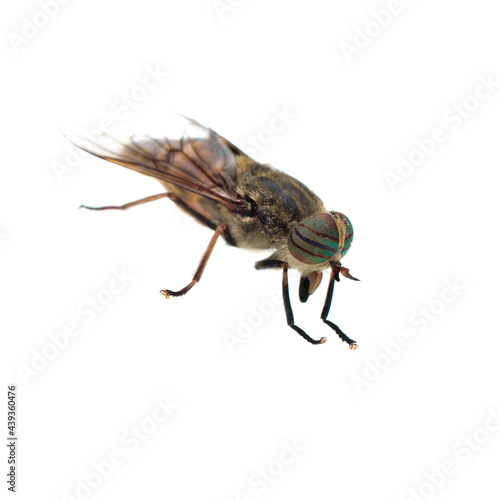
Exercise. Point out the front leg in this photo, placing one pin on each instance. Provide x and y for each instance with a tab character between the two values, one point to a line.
268	264
326	310
289	312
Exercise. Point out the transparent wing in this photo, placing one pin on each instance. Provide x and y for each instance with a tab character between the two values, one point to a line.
200	161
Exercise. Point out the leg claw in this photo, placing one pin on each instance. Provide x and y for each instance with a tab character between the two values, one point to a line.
165	293
353	346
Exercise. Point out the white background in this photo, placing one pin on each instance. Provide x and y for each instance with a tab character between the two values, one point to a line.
365	425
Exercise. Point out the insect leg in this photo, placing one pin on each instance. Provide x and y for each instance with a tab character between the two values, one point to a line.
326	310
169	293
268	264
177	201
199	217
193	213
129	205
289	312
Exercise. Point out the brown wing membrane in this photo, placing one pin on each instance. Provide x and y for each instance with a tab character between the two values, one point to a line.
200	161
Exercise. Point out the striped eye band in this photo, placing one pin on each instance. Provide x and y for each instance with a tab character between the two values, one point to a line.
320	237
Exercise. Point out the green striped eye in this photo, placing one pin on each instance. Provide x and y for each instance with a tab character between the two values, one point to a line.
321	237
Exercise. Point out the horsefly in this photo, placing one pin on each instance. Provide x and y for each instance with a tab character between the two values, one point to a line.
251	205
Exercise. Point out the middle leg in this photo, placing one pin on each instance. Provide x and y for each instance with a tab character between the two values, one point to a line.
169	293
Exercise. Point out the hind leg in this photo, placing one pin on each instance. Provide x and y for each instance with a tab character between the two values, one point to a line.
129	205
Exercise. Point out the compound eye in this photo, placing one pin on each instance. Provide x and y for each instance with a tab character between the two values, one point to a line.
315	239
321	237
